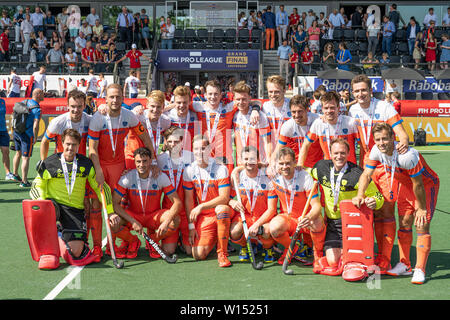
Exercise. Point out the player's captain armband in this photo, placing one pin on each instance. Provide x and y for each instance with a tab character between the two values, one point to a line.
40	225
139	129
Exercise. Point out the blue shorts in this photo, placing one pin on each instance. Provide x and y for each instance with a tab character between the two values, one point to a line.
13	94
24	144
4	139
145	33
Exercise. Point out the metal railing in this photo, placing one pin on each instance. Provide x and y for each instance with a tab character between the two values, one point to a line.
79	68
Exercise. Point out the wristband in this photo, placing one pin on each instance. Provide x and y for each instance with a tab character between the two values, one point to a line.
191	226
256	107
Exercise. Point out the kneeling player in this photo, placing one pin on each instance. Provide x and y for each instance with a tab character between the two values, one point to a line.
418	191
62	178
144	195
258	206
292	186
339	180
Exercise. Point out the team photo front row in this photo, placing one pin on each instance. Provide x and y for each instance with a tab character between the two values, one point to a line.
274	178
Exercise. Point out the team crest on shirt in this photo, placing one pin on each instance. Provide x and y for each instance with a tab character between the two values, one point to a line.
345	130
289	114
263	186
154	186
212	174
133	186
377	116
124	123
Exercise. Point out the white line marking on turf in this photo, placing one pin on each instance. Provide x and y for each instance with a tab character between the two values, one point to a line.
60	287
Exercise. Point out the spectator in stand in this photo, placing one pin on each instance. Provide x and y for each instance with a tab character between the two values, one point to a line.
314	38
167	34
446	19
430	16
283	53
92	17
430	56
321	20
144	22
88	57
125	26
111	57
294	18
445	53
55	58
384	61
135	59
259	22
395	16
42	43
18	18
307	60
327	30
345	102
293	61
71	60
55	38
26	28
373	36
104	42
4	45
61	20
282	22
35	55
309	19
198	96
429	30
388	30
14	84
86	29
369	64
303	20
252	23
73	24
329	57
80	42
5	21
37	19
99	58
418	50
242	20
269	20
411	33
336	19
97	31
357	17
49	22
137	30
300	38
343	57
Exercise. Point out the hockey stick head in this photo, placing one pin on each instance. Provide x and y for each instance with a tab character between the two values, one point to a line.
259	265
172	259
119	264
285	268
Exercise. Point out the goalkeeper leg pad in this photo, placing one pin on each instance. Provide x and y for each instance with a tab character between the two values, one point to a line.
85	258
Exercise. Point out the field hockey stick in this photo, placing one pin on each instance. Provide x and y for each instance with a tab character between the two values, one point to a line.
168	259
289	253
117	264
256	266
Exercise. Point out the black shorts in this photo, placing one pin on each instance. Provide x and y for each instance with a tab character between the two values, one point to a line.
73	222
333	237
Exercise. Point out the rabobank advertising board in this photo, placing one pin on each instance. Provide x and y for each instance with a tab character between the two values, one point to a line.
208	60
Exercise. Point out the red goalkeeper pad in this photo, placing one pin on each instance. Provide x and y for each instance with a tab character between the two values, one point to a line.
40	225
357	234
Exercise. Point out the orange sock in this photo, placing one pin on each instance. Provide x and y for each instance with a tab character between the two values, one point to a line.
95	223
405	238
284	239
378	228
125	234
423	247
266	243
307	239
223	231
389	231
318	239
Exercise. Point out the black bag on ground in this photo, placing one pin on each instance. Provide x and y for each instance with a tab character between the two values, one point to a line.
420	137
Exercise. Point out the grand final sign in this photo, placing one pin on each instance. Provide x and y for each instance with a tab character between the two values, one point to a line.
208	60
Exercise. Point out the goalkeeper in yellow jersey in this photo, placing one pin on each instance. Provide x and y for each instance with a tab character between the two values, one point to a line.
62	178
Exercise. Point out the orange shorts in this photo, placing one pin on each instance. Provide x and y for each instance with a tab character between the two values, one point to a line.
112	173
407	203
184	228
152	221
206	227
292	224
383	183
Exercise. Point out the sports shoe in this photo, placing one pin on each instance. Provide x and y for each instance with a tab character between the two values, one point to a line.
152	252
25	184
133	248
268	255
121	252
10	177
418	276
383	264
230	248
281	259
400	269
301	254
17	178
97	253
257	247
243	254
222	258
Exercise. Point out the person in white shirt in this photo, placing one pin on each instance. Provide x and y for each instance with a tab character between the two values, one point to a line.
92	86
37	19
446	19
91	17
430	16
14	85
167	34
80	42
133	85
26	28
336	19
40	79
102	84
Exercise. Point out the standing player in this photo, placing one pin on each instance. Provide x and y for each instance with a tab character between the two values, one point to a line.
107	133
154	122
330	126
133	84
207	183
14	84
292	186
259	208
417	196
182	117
63	178
173	162
4	142
92	84
367	112
339	179
246	134
293	132
144	194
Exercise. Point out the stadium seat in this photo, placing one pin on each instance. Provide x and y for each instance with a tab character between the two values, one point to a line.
230	35
395	61
178	36
426	96
190	35
361	35
200	45
189	45
256	35
217	45
121	46
407	61
203	35
230	45
349	35
443	96
362	48
243	45
243	35
400	35
438	34
338	34
69	44
256	45
218	35
410	96
352	47
401	48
